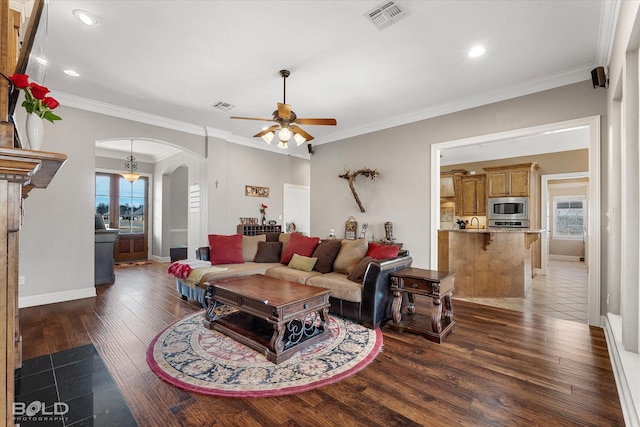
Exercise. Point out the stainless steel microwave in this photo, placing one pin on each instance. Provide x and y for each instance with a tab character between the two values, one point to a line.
508	212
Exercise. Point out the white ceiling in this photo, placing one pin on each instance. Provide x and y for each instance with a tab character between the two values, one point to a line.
170	61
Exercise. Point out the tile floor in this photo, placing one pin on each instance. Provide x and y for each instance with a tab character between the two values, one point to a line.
561	294
69	388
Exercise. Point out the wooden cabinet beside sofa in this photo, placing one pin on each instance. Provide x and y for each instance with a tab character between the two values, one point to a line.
511	181
474	200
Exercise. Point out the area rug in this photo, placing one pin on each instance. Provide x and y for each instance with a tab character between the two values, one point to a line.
131	264
190	356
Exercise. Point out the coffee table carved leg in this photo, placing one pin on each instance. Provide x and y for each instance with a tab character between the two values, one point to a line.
277	344
436	316
324	313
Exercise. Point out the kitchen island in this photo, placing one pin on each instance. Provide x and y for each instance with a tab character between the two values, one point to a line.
490	262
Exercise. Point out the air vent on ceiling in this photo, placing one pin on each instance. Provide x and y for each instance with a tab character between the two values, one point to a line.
386	14
224	106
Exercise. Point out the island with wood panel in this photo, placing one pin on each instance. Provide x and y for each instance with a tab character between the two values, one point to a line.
490	262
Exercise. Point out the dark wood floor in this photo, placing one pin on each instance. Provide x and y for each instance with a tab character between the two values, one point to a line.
498	368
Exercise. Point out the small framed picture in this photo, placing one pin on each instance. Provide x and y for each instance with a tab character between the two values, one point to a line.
255	191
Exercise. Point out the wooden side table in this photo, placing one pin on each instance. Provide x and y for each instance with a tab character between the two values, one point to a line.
435	284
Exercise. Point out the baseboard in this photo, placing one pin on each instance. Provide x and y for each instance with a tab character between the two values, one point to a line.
42	299
160	258
565	257
625	366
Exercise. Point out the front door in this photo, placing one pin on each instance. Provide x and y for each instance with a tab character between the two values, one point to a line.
123	205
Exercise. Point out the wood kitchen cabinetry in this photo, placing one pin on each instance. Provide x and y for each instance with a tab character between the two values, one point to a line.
511	181
474	200
451	188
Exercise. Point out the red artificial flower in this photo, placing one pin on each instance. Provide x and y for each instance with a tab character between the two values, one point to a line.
50	102
20	81
38	92
264	206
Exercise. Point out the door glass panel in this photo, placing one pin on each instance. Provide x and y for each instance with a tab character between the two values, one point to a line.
132	203
103	185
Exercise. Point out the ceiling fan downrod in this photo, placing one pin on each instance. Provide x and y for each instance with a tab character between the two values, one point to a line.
284	74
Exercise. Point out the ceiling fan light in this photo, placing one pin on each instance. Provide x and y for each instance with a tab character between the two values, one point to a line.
283	145
268	137
285	134
299	139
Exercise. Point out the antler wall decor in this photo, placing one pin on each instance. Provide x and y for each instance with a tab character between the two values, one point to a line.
351	176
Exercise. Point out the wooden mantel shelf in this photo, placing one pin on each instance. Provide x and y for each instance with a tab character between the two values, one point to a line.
33	169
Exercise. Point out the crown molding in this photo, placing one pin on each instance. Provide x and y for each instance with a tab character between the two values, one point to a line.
151	119
608	21
128	114
533	86
576	75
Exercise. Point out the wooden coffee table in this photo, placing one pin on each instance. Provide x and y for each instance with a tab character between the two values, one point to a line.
273	316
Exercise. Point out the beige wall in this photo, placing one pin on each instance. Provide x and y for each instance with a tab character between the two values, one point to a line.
402	156
247	166
57	240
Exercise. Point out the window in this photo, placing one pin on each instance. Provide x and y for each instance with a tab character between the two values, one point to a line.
121	203
569	215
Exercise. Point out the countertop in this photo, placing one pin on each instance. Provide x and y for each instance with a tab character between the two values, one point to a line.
498	230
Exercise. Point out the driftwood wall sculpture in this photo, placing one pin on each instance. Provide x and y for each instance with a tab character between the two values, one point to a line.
351	177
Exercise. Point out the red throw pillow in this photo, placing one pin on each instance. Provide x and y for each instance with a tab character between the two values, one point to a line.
301	245
225	249
378	251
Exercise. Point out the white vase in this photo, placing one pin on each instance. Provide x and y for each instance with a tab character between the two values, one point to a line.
35	131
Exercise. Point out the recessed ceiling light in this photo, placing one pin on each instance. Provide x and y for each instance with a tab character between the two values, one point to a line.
84	17
476	51
71	73
40	60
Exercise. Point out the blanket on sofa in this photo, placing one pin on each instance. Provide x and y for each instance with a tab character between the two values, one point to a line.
191	271
181	269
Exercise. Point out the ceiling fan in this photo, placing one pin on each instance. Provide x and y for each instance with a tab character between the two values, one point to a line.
287	122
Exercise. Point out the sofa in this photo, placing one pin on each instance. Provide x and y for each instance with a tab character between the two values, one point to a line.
356	271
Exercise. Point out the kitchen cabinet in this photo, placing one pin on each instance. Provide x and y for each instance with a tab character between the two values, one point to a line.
450	183
447	186
511	181
451	188
474	200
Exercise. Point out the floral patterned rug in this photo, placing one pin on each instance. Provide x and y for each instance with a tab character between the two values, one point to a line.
189	356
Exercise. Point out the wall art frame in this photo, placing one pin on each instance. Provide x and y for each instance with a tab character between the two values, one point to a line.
255	191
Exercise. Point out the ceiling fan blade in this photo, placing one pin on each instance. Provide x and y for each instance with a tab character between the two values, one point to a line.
301	132
266	131
284	110
251	118
326	122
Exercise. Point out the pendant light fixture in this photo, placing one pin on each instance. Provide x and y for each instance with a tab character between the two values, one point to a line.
131	166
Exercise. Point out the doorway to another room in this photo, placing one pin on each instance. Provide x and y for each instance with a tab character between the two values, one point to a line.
571	280
123	206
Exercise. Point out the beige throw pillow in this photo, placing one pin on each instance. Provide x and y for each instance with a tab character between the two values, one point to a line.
250	246
284	238
350	254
